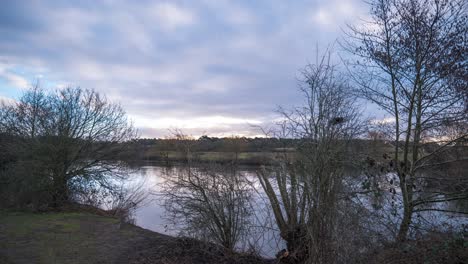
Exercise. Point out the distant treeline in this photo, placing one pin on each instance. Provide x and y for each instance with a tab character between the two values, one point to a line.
248	151
216	144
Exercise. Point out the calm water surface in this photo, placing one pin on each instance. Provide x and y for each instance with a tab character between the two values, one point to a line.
151	214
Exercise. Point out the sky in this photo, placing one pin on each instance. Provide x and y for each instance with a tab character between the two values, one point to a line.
211	67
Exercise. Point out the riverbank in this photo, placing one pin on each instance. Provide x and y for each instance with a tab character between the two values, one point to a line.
87	237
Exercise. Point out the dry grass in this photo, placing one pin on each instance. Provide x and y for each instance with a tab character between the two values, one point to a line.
432	249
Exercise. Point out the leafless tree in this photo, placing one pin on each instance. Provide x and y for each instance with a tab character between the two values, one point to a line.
411	61
184	145
69	138
208	201
304	189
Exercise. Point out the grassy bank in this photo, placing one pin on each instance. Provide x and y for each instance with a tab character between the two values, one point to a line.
82	237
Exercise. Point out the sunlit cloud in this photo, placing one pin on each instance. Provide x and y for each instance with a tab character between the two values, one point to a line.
207	125
198	122
383	121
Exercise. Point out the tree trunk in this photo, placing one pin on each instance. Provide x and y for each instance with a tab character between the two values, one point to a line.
297	245
407	195
59	192
405	223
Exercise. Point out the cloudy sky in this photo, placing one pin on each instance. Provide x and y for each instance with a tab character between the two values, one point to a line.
209	66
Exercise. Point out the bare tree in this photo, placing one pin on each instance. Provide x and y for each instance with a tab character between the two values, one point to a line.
412	63
304	189
184	145
69	138
208	201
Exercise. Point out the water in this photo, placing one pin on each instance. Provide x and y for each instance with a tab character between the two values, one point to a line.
150	215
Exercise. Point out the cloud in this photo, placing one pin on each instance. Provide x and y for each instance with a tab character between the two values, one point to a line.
323	17
383	121
170	16
232	13
172	62
71	25
13	78
335	14
206	122
215	125
6	100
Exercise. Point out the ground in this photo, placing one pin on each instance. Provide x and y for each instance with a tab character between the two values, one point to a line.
81	237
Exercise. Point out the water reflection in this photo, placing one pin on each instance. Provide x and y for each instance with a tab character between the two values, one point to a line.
150	215
383	212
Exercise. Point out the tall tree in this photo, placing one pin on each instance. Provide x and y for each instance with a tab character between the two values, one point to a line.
412	62
303	190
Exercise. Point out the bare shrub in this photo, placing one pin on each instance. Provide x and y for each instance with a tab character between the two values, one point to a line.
120	198
209	202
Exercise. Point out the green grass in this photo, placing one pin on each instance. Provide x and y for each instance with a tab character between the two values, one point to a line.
57	237
72	238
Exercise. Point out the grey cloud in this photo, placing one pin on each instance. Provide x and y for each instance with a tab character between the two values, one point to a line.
236	59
